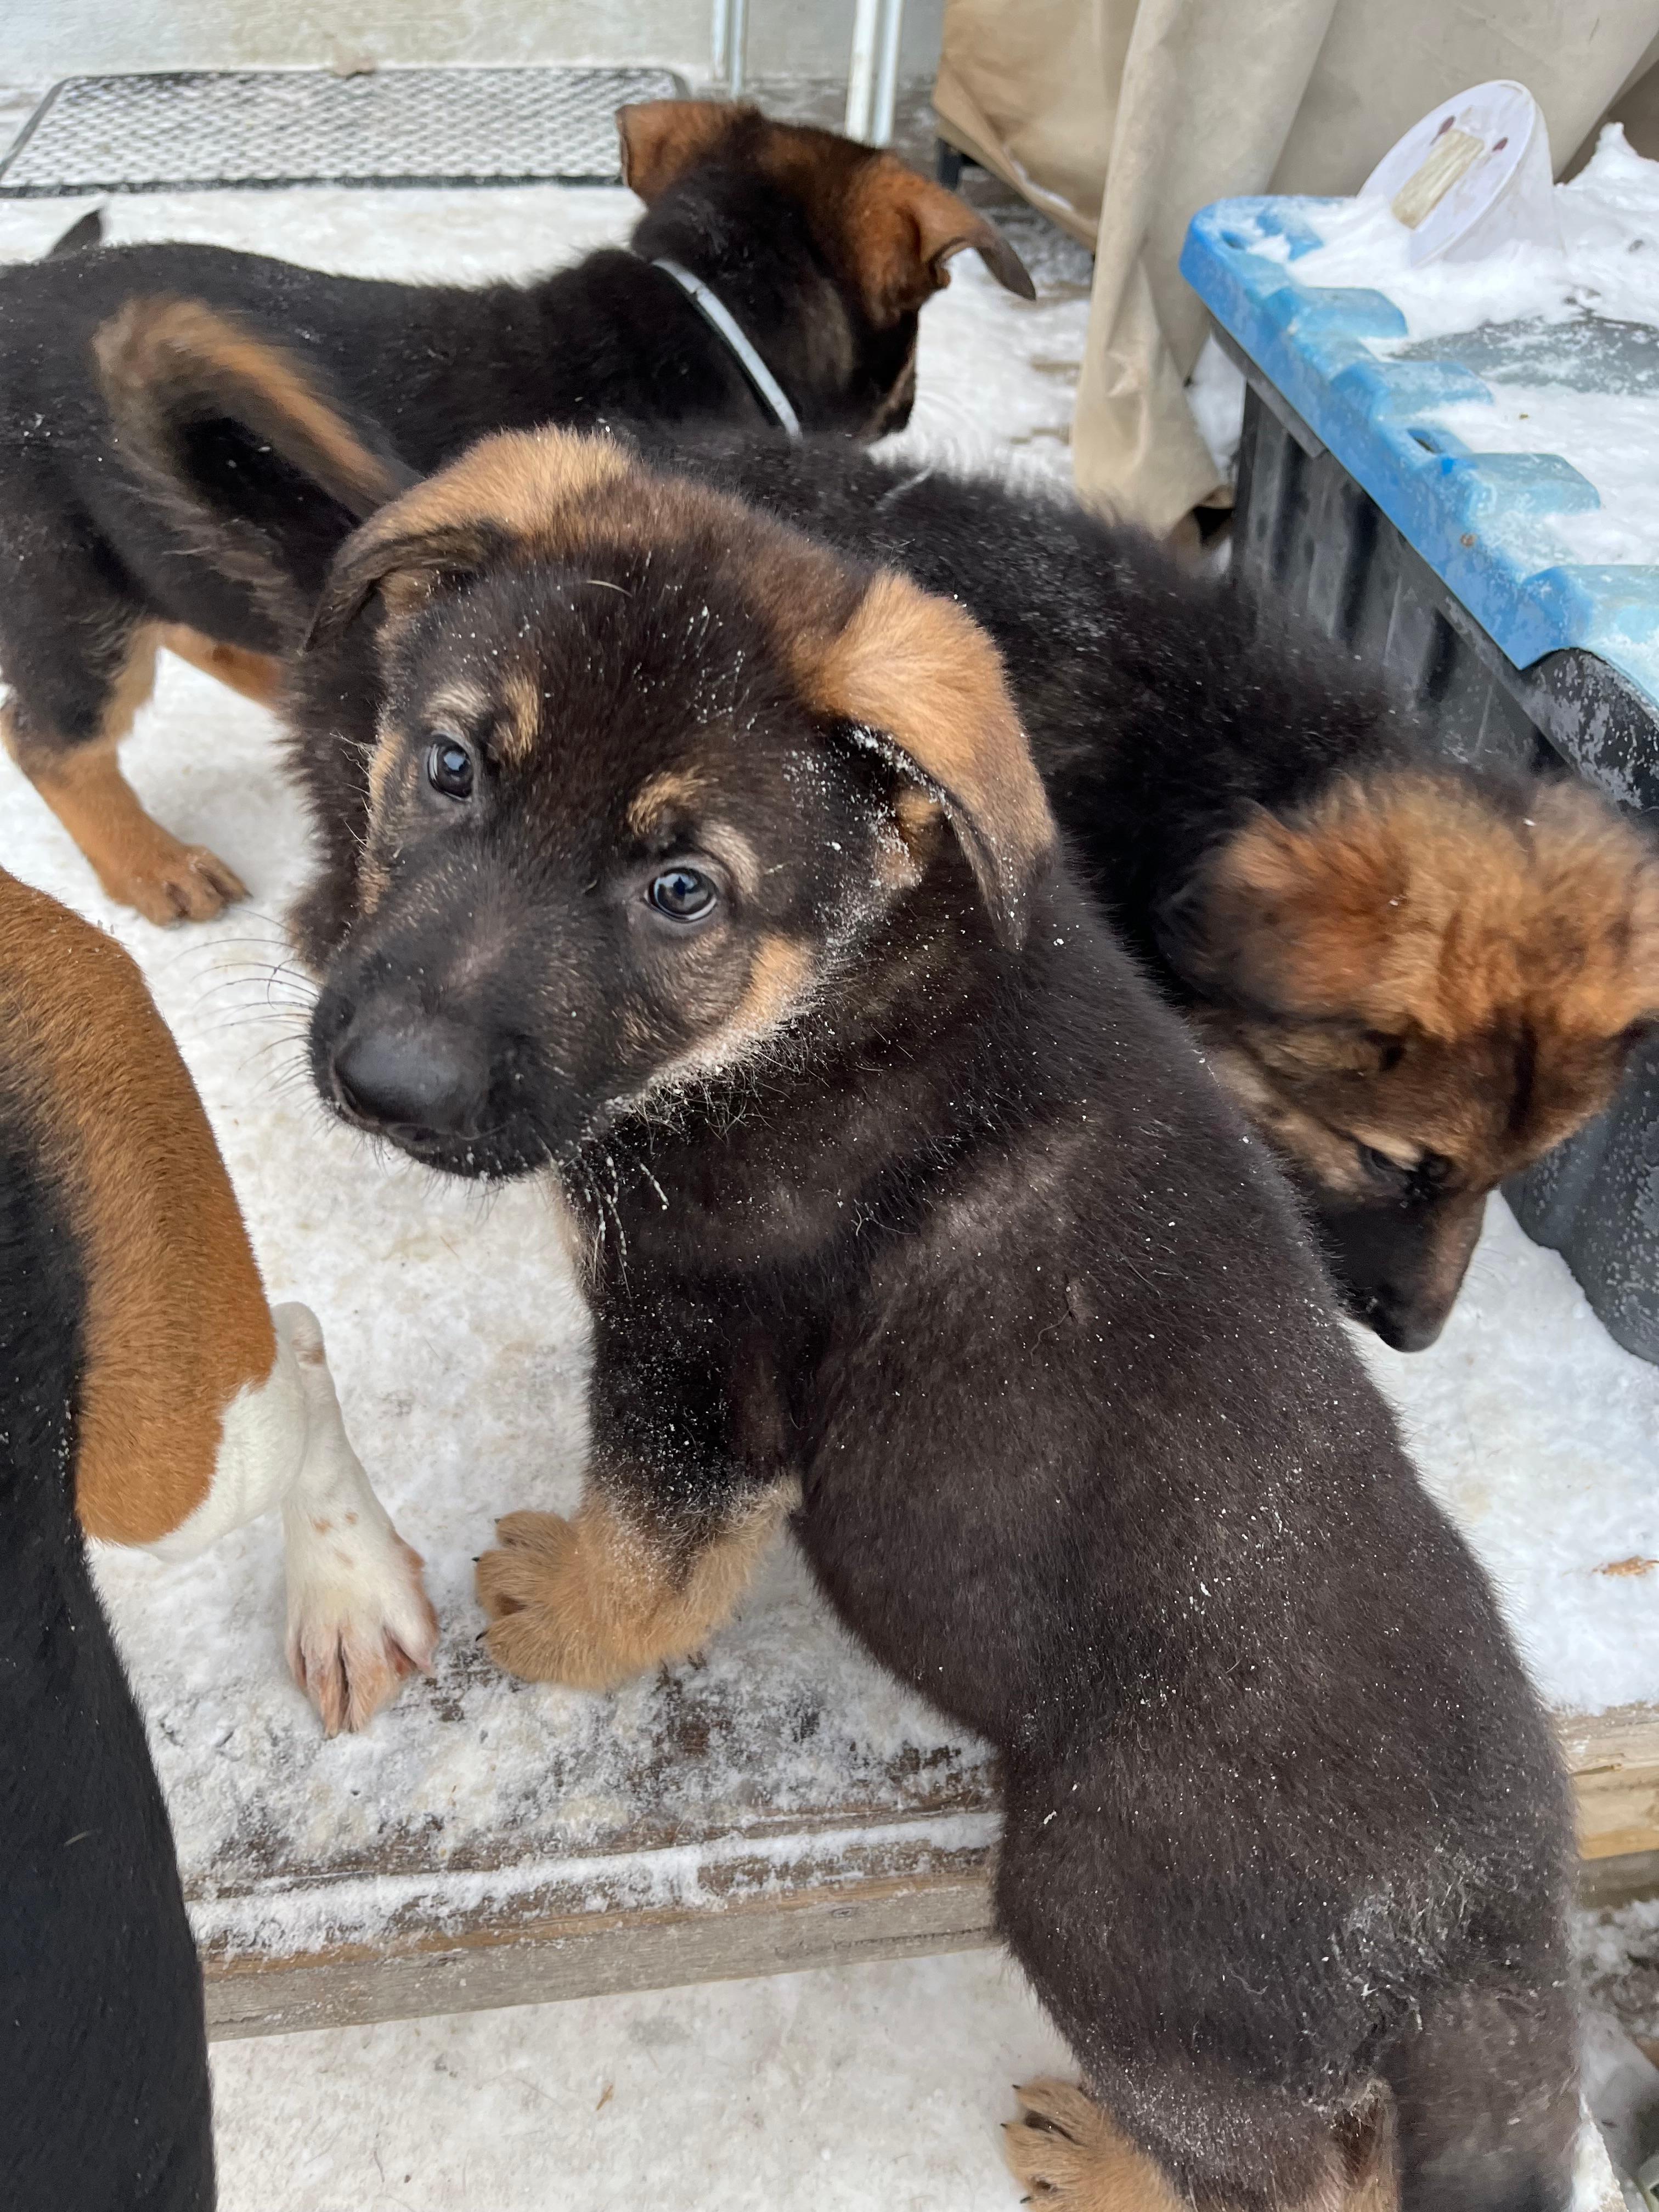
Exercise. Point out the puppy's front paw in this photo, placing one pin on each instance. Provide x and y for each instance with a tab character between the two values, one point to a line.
1066	2153
542	1624
359	1620
169	882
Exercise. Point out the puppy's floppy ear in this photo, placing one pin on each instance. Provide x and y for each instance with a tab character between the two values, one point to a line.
923	684
520	490
904	229
380	553
661	139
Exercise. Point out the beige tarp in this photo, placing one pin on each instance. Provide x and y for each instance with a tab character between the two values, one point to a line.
1122	117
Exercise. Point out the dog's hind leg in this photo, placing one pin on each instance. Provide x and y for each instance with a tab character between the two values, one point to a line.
595	1598
255	676
1487	2094
69	756
1068	2154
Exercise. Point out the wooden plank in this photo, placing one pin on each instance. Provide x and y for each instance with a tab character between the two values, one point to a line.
598	1955
769	1897
1614	1759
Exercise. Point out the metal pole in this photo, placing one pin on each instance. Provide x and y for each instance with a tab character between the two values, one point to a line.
881	132
730	45
861	70
737	62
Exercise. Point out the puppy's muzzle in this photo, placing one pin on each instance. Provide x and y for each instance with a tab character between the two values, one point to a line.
419	1077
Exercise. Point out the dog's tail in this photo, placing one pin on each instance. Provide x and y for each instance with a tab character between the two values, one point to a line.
80	237
241	448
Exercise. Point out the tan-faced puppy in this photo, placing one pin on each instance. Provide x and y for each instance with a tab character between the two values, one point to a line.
197	1406
821	251
713	875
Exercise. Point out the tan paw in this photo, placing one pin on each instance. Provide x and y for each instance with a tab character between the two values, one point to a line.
360	1621
170	881
540	1624
1066	2153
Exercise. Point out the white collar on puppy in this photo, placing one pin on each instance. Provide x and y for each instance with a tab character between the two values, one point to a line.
720	319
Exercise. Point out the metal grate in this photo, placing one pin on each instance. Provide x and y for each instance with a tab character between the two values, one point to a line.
187	130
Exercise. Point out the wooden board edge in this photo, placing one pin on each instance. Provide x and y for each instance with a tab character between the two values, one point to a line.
605	1953
1613	1760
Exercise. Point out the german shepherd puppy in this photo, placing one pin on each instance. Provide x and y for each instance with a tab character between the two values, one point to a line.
711	875
1413	978
823	251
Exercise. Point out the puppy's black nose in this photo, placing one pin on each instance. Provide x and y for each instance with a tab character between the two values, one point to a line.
1407	1324
412	1075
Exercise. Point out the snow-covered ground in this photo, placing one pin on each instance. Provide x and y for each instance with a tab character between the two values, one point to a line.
460	1352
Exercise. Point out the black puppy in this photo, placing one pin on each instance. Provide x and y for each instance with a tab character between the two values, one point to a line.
104	2103
823	252
713	876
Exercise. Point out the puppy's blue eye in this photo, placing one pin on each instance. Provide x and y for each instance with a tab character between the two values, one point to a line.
683	894
449	768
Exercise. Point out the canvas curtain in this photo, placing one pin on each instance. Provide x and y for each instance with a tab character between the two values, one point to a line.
1122	118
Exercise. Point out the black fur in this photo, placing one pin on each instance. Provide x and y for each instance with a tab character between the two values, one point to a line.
969	1246
104	2101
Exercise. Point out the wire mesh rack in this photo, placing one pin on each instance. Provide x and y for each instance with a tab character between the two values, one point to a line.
201	130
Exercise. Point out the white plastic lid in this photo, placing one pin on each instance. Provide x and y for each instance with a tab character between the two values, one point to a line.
1506	192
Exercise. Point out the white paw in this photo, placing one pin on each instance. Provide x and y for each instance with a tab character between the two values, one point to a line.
359	1620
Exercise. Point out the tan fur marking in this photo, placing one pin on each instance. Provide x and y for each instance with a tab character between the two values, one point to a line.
1407	964
596	1599
660	798
919	670
256	675
1411	899
176	1320
524	482
134	860
779	976
521	698
1066	2153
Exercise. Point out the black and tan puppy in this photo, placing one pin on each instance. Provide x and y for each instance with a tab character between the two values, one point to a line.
1415	979
822	250
713	875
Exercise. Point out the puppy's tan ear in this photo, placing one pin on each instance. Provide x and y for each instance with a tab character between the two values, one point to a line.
519	491
400	562
921	683
902	231
661	139
1283	920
